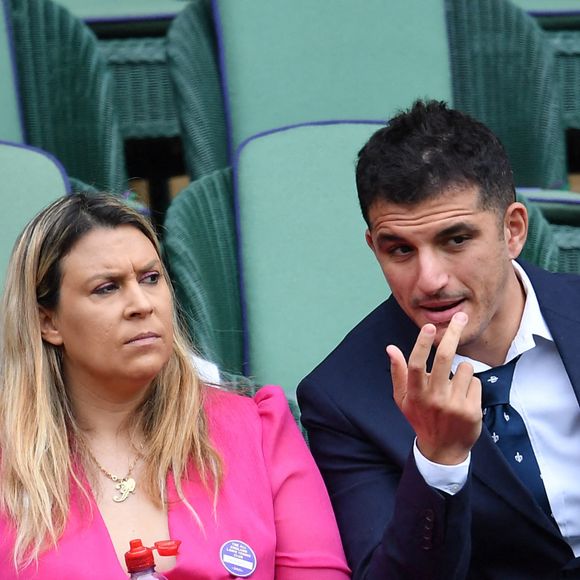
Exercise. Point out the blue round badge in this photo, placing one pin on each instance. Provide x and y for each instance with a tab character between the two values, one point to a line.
238	558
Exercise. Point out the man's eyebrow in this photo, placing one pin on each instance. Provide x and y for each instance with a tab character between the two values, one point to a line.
384	237
457	229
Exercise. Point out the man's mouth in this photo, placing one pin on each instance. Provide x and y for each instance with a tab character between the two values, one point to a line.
441	307
441	311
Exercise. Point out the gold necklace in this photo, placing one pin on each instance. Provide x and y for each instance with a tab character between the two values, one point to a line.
124	485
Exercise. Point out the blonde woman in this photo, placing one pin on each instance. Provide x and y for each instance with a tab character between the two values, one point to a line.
107	433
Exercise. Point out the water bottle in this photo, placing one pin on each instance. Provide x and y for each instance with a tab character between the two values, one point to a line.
140	562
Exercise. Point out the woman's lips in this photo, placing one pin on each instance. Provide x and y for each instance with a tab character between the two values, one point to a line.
440	312
143	339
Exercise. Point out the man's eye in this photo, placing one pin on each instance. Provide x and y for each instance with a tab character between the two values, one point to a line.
458	240
400	250
151	278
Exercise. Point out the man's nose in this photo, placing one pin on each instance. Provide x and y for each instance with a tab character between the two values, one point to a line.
432	275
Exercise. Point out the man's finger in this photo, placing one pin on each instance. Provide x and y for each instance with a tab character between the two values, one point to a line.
447	348
474	393
398	372
462	379
420	353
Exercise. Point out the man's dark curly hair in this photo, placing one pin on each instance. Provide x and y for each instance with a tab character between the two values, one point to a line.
429	149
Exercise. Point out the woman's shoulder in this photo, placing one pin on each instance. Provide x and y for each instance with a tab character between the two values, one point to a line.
266	400
229	411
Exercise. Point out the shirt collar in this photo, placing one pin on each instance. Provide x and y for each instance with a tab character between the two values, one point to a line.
532	327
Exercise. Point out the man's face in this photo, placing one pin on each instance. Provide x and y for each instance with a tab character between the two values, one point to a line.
447	255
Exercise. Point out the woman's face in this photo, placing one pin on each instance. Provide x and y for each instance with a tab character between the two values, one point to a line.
114	320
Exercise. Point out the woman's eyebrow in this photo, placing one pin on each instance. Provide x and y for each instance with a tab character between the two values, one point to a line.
116	273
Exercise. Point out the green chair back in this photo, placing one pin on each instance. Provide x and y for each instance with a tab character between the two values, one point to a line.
554	247
66	93
559	207
289	62
143	94
10	121
307	274
193	69
568	241
31	179
505	74
200	250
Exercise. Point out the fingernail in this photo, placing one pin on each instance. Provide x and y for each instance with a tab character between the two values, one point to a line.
429	329
461	317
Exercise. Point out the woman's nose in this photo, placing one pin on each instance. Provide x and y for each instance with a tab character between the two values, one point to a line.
139	303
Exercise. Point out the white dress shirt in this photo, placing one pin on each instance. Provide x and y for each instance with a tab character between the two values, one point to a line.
542	393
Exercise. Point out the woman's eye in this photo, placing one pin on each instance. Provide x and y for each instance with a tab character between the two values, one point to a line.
151	278
105	288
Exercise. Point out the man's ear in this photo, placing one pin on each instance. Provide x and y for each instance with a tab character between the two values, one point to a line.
48	327
516	228
369	240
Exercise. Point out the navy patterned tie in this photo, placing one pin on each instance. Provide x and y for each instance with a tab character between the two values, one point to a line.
508	430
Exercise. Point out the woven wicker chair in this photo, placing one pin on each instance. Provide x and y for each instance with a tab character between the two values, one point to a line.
66	93
200	250
541	247
191	52
554	247
568	241
10	118
142	90
567	46
504	73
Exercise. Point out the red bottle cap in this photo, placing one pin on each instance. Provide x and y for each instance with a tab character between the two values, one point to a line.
167	547
140	557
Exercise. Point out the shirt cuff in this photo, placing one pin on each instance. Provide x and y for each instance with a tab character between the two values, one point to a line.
447	478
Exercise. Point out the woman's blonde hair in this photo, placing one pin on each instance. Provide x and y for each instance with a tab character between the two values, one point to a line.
41	457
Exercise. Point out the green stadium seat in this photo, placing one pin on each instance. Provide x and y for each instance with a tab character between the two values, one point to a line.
200	249
10	114
559	207
31	179
307	273
142	92
290	62
505	74
552	246
193	69
66	93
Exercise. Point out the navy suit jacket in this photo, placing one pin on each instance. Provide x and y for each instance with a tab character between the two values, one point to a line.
393	524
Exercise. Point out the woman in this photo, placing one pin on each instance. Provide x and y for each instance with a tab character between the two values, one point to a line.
107	434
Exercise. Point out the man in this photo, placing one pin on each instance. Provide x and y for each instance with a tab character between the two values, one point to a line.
420	486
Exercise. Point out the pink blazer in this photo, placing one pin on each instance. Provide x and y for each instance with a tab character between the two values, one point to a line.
272	499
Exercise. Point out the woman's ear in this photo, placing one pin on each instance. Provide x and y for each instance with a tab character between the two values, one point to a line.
48	327
516	228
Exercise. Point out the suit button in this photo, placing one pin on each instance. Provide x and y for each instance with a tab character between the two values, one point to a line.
429	515
428	525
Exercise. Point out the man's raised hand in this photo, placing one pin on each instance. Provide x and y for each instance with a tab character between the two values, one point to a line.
444	412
